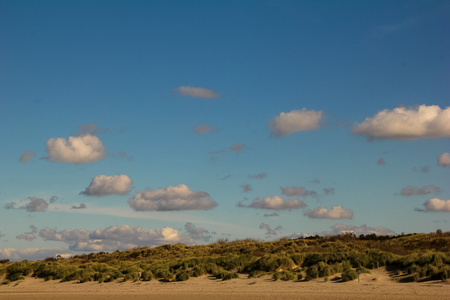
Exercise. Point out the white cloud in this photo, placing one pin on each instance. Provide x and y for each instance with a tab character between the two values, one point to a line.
275	203
444	159
412	191
26	156
336	212
103	185
32	254
338	229
76	150
178	197
406	124
296	120
197	92
435	204
120	237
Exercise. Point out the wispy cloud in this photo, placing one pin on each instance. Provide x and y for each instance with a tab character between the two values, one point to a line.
392	28
28	236
246	188
292	191
413	191
274	203
32	204
205	128
197	92
26	156
258	176
269	231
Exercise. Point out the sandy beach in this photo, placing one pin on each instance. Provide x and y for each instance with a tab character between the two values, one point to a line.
377	285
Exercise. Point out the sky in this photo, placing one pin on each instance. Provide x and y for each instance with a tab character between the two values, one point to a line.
140	123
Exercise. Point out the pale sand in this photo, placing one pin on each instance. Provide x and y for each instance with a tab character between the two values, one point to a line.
377	285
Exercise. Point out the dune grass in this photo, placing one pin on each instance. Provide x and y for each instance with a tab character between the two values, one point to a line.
419	256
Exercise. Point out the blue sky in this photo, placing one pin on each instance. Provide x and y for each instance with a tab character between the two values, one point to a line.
132	123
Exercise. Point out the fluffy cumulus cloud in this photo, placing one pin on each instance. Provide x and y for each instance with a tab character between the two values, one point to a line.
403	123
178	197
103	185
444	159
435	204
336	212
26	156
275	203
32	204
413	191
197	92
120	237
76	149
296	120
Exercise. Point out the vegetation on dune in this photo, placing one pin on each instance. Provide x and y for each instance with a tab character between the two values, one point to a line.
415	257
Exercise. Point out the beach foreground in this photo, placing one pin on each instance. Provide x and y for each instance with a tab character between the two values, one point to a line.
377	285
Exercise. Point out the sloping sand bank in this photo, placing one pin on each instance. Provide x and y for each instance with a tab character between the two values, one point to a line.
377	285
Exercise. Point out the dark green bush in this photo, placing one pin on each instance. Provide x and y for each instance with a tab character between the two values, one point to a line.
312	272
349	275
182	276
283	275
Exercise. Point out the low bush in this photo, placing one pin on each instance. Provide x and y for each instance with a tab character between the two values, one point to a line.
349	275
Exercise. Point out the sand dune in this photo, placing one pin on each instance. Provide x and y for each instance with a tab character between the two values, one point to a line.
377	285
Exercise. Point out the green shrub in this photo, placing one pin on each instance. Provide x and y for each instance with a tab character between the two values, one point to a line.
312	272
283	275
147	276
182	276
256	274
15	277
229	276
349	275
